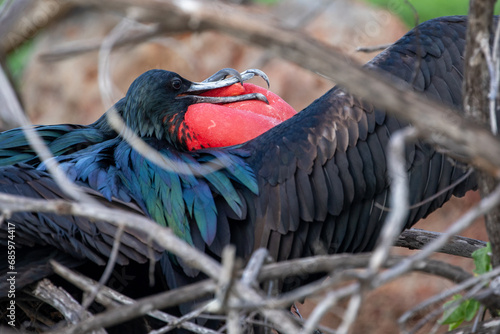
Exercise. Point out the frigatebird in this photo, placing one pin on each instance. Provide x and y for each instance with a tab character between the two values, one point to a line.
299	184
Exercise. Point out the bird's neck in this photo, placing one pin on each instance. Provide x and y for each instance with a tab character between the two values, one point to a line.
177	132
146	124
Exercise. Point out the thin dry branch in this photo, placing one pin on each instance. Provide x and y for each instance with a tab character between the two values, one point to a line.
112	298
486	204
13	111
399	199
485	327
339	262
63	302
298	267
394	224
141	307
441	125
459	246
477	281
89	299
24	18
163	236
375	48
79	47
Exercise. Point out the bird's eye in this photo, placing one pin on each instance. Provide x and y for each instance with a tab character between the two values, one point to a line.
176	83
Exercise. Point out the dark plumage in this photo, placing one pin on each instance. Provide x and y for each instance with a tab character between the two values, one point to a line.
309	185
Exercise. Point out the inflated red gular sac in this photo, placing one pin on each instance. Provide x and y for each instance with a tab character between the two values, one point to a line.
218	125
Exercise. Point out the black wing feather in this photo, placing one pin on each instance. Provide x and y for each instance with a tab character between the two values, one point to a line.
338	146
77	238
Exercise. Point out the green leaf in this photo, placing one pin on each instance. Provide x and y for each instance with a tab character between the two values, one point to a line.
467	309
482	260
455	315
471	308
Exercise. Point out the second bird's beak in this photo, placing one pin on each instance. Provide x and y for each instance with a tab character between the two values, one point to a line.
220	80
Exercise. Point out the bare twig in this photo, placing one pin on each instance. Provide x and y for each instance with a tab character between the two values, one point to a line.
184	320
331	299
108	270
253	268
226	279
495	80
374	48
17	116
436	195
106	87
351	313
477	280
63	302
440	124
163	237
110	297
339	262
399	196
25	18
79	47
394	224
490	326
233	322
340	265
484	206
141	307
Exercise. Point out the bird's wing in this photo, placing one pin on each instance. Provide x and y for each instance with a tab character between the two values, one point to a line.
77	237
61	139
322	173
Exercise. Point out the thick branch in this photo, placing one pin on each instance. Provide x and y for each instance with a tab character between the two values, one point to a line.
25	18
141	307
329	263
476	102
111	298
459	246
440	124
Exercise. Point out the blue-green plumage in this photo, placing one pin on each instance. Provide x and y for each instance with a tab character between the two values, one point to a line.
171	198
181	197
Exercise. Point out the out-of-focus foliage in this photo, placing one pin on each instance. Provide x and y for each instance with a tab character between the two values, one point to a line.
459	310
17	59
426	9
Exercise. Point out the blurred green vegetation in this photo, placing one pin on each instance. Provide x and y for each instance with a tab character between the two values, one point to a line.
17	60
426	9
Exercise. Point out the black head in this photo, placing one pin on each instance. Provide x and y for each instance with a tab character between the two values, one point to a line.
157	100
151	99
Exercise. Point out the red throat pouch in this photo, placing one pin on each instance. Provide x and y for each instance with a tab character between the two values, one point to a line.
214	125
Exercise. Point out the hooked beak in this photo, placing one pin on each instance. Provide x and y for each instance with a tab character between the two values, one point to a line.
224	78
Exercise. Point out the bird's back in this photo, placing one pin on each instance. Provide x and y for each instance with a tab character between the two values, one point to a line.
323	175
